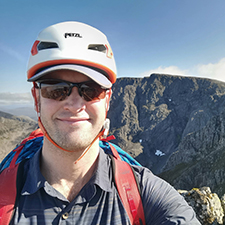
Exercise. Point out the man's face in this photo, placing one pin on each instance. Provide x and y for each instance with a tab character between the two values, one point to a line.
72	123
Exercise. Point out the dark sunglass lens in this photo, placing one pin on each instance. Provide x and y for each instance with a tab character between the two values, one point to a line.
55	92
92	92
88	93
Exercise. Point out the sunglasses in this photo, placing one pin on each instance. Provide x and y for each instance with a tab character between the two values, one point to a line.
59	89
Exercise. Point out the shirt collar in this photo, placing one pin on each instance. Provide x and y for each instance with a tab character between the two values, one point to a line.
35	180
103	174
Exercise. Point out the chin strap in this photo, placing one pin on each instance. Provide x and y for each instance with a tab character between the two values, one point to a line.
103	133
100	134
48	137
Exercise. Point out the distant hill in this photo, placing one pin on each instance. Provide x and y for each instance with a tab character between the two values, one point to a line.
13	130
21	111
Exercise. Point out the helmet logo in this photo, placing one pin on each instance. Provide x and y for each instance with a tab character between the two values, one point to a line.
72	35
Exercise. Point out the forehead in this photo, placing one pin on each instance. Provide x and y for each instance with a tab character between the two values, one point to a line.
68	75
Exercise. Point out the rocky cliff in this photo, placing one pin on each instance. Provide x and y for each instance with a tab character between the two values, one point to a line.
13	130
173	125
207	205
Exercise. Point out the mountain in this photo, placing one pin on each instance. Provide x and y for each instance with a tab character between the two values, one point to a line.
13	130
173	125
20	111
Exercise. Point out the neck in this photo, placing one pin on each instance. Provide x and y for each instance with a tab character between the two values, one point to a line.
60	170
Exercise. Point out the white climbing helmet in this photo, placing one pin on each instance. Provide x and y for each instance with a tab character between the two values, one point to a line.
75	46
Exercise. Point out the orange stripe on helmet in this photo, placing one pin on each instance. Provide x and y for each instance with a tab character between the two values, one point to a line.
111	75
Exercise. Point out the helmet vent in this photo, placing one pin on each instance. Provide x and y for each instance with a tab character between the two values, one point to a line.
100	48
47	45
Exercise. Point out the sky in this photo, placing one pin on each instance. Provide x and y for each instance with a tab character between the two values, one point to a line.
178	37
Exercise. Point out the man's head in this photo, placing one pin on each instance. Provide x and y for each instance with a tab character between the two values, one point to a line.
72	120
68	59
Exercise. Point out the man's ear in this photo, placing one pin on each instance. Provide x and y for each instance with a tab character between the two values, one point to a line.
35	94
108	97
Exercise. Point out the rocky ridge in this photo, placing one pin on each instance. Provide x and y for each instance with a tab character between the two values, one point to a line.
209	208
13	130
173	125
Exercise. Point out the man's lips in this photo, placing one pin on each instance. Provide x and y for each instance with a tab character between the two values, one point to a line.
73	120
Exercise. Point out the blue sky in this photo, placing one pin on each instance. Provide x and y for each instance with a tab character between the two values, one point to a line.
183	37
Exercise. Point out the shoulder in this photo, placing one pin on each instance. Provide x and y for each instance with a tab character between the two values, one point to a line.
25	150
161	202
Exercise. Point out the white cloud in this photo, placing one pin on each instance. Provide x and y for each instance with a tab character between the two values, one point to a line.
7	98
212	71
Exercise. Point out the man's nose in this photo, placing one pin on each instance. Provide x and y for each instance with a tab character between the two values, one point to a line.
74	101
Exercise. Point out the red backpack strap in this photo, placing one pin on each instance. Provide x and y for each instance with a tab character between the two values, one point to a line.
7	194
128	189
10	185
8	190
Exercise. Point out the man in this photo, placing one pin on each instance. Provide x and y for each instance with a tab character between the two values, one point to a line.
69	180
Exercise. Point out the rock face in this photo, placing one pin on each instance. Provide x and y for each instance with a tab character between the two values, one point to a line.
207	205
200	158
173	125
13	130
